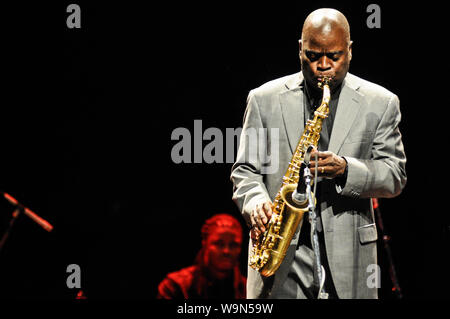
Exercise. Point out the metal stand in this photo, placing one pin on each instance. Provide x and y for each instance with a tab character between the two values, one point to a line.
386	239
5	236
320	271
21	209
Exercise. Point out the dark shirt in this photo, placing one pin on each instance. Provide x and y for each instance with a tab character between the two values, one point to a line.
311	104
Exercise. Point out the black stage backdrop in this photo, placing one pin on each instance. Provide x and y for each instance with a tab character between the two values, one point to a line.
87	117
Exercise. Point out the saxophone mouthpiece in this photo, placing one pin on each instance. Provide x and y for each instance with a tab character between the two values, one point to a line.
324	81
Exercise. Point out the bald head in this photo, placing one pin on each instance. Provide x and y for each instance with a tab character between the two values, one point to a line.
325	21
325	47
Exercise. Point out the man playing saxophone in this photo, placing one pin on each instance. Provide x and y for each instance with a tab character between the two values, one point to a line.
360	155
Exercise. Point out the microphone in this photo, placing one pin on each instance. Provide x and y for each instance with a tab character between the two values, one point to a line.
40	221
300	196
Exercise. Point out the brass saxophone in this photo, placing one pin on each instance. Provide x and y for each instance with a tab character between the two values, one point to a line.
270	249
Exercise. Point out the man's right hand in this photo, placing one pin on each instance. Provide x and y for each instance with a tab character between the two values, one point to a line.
259	218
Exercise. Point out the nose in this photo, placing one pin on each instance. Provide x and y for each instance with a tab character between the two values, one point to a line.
226	250
323	63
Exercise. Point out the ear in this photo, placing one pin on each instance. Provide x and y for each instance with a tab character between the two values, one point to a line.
350	50
300	46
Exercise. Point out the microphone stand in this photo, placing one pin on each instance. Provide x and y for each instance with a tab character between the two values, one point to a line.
5	236
386	239
21	209
315	238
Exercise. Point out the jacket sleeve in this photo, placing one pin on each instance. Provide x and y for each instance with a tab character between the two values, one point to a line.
247	172
384	174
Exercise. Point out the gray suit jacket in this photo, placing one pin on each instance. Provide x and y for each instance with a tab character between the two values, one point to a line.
365	132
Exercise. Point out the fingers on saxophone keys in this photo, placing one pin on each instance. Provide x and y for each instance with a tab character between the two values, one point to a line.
262	215
253	217
268	210
258	214
260	224
255	233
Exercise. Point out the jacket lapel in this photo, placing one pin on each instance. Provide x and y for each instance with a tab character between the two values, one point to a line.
291	101
292	110
346	113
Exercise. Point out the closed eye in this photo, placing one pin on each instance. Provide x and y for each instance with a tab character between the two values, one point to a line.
314	56
334	55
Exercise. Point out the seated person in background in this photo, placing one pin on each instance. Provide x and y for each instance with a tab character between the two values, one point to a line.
216	272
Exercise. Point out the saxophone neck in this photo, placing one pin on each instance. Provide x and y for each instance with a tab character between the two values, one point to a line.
324	84
326	95
323	109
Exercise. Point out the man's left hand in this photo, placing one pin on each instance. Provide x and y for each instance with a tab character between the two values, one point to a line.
329	164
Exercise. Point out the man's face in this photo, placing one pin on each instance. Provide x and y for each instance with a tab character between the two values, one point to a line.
325	54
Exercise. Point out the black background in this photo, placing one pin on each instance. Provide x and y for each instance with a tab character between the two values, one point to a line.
87	116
